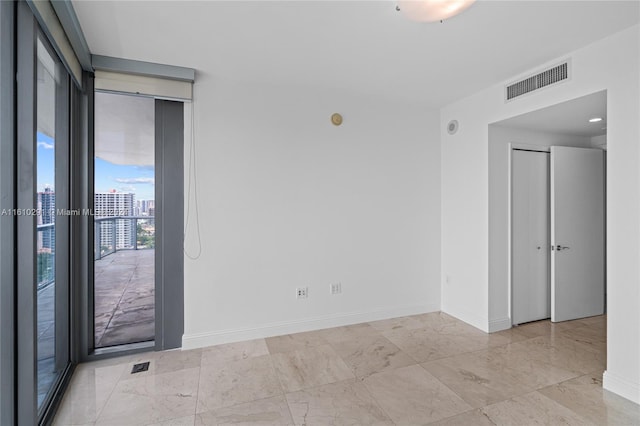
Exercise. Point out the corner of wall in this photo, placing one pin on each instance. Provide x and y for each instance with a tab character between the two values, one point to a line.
621	386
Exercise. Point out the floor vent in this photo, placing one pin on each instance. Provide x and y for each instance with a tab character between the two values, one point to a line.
545	78
139	368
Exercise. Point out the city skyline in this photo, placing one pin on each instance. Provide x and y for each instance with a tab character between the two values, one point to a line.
138	179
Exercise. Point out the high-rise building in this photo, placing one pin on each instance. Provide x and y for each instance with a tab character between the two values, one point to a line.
115	204
46	216
144	206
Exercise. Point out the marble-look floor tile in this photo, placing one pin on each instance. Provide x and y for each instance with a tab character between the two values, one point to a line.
242	383
546	327
585	395
163	362
423	345
168	361
263	412
470	418
597	321
347	332
532	409
512	335
426	344
88	392
57	422
310	367
236	382
563	353
152	399
412	396
445	327
342	403
234	351
406	323
520	368
587	335
181	421
434	319
371	354
478	380
292	342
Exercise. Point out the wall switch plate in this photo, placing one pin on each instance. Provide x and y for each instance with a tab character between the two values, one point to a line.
302	292
335	288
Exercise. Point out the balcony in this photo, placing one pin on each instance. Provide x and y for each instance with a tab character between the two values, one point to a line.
124	298
124	307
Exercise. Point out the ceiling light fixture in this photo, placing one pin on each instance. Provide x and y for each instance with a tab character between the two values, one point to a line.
432	10
595	119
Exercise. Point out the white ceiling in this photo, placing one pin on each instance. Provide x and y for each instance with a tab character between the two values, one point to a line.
568	118
361	46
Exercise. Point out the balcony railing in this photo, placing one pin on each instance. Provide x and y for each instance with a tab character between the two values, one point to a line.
115	233
46	255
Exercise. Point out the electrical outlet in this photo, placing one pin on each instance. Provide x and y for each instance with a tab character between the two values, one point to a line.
302	292
335	288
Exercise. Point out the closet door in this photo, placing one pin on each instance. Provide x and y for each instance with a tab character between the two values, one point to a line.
530	236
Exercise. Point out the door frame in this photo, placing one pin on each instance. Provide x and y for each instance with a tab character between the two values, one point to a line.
169	233
537	148
28	32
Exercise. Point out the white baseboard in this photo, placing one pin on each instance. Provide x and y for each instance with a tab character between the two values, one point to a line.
621	386
499	325
199	340
469	318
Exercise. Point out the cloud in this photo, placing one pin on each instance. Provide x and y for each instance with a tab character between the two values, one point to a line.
45	145
136	181
128	188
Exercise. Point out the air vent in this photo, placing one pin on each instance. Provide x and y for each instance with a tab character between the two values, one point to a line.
546	78
139	368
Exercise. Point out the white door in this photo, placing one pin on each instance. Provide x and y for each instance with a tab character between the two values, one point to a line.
531	296
577	233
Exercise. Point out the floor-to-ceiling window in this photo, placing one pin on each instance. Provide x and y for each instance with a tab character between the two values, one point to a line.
41	216
49	75
124	220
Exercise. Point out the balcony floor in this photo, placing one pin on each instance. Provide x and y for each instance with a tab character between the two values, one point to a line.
124	298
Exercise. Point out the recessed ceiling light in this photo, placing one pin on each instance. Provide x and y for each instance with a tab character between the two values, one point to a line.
595	119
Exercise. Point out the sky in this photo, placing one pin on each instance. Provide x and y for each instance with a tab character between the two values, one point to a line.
108	176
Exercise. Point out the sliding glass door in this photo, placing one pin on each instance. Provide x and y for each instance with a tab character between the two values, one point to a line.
42	217
51	249
124	220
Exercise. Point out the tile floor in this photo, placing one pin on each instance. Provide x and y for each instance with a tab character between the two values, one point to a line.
415	370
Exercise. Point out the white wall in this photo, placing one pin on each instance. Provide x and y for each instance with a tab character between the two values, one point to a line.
499	139
286	199
610	64
599	142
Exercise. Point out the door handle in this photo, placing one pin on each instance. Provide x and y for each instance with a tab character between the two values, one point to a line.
559	247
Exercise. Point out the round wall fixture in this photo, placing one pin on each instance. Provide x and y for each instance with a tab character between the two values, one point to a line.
452	127
336	119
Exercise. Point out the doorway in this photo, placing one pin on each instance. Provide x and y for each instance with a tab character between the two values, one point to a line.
135	295
556	216
124	220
